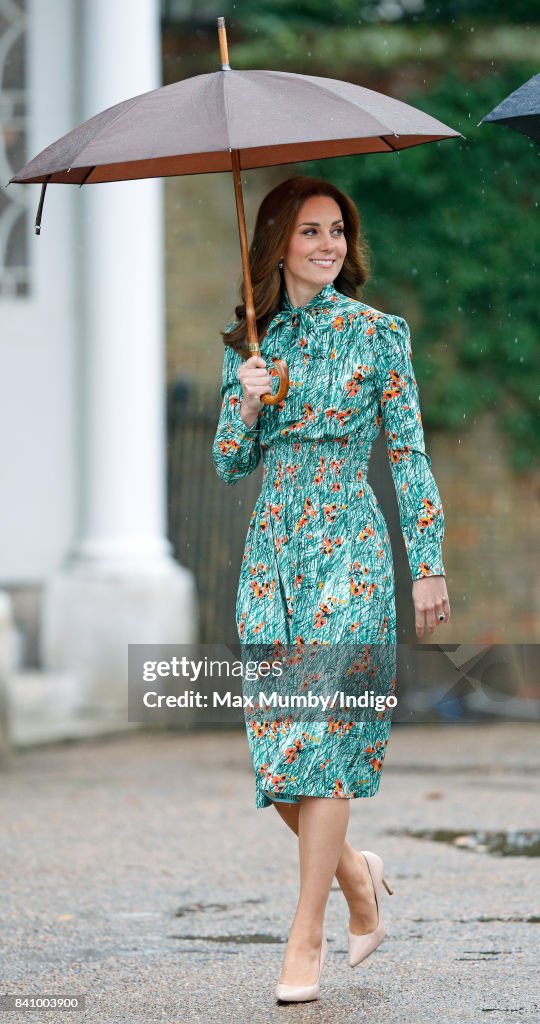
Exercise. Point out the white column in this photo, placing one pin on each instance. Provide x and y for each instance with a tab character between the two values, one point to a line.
123	307
120	584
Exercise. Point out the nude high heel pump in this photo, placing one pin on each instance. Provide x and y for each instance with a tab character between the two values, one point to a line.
303	993
360	946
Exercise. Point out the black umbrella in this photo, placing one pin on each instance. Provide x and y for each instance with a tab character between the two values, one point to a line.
520	110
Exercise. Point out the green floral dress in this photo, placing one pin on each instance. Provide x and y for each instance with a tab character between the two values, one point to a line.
317	566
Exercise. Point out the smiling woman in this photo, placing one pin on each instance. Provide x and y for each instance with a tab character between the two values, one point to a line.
317	570
281	232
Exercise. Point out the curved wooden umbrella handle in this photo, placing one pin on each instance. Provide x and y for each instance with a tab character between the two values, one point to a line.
282	371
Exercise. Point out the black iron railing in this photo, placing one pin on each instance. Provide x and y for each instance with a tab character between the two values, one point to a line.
208	519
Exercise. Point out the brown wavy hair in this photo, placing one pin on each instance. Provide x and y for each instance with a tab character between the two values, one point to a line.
276	219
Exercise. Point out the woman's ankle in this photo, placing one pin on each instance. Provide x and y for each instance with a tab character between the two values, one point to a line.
307	933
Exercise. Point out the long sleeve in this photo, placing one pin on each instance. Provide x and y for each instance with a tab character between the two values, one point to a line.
420	508
235	451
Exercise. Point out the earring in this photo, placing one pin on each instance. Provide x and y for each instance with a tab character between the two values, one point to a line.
280	264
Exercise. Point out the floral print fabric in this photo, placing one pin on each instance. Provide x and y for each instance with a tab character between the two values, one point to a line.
317	565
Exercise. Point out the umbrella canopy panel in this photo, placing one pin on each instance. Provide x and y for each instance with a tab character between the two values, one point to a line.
520	110
271	117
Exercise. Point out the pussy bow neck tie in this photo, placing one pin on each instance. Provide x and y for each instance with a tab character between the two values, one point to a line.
302	320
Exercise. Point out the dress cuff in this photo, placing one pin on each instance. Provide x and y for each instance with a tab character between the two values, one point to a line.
422	569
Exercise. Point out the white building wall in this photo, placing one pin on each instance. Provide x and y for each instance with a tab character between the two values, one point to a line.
82	401
38	433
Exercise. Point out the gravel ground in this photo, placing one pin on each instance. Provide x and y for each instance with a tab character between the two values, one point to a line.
136	871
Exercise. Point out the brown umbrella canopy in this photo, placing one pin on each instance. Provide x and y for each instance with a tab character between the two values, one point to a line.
190	127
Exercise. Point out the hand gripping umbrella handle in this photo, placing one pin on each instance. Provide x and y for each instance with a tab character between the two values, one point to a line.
282	371
283	374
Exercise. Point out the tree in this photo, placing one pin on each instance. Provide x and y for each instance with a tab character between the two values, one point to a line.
453	229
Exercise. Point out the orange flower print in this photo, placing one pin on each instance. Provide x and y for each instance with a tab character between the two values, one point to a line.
291	753
330	512
308	513
226	447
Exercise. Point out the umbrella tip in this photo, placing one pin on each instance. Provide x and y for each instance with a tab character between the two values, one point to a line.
224	50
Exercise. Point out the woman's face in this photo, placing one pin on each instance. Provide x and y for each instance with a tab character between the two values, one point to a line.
317	247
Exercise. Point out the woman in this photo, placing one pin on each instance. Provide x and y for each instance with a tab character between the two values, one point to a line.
317	566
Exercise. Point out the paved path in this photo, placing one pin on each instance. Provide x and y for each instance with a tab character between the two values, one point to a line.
136	870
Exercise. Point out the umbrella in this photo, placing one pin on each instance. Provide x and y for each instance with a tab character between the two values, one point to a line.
520	110
231	120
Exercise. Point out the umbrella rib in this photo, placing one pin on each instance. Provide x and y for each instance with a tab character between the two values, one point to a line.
87	175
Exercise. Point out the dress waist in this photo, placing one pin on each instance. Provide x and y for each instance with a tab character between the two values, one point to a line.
325	464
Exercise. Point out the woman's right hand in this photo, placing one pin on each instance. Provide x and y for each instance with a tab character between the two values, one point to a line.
255	382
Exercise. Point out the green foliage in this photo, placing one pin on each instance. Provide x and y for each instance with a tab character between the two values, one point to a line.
476	11
453	230
272	16
269	15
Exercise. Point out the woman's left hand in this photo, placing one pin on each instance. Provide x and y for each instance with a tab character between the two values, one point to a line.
430	599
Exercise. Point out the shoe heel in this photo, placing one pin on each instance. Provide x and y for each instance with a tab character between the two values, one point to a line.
387	887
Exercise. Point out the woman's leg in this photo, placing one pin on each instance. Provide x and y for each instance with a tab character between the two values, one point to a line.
352	875
322	826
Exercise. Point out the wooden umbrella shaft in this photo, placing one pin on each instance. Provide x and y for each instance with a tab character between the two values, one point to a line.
280	366
253	343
